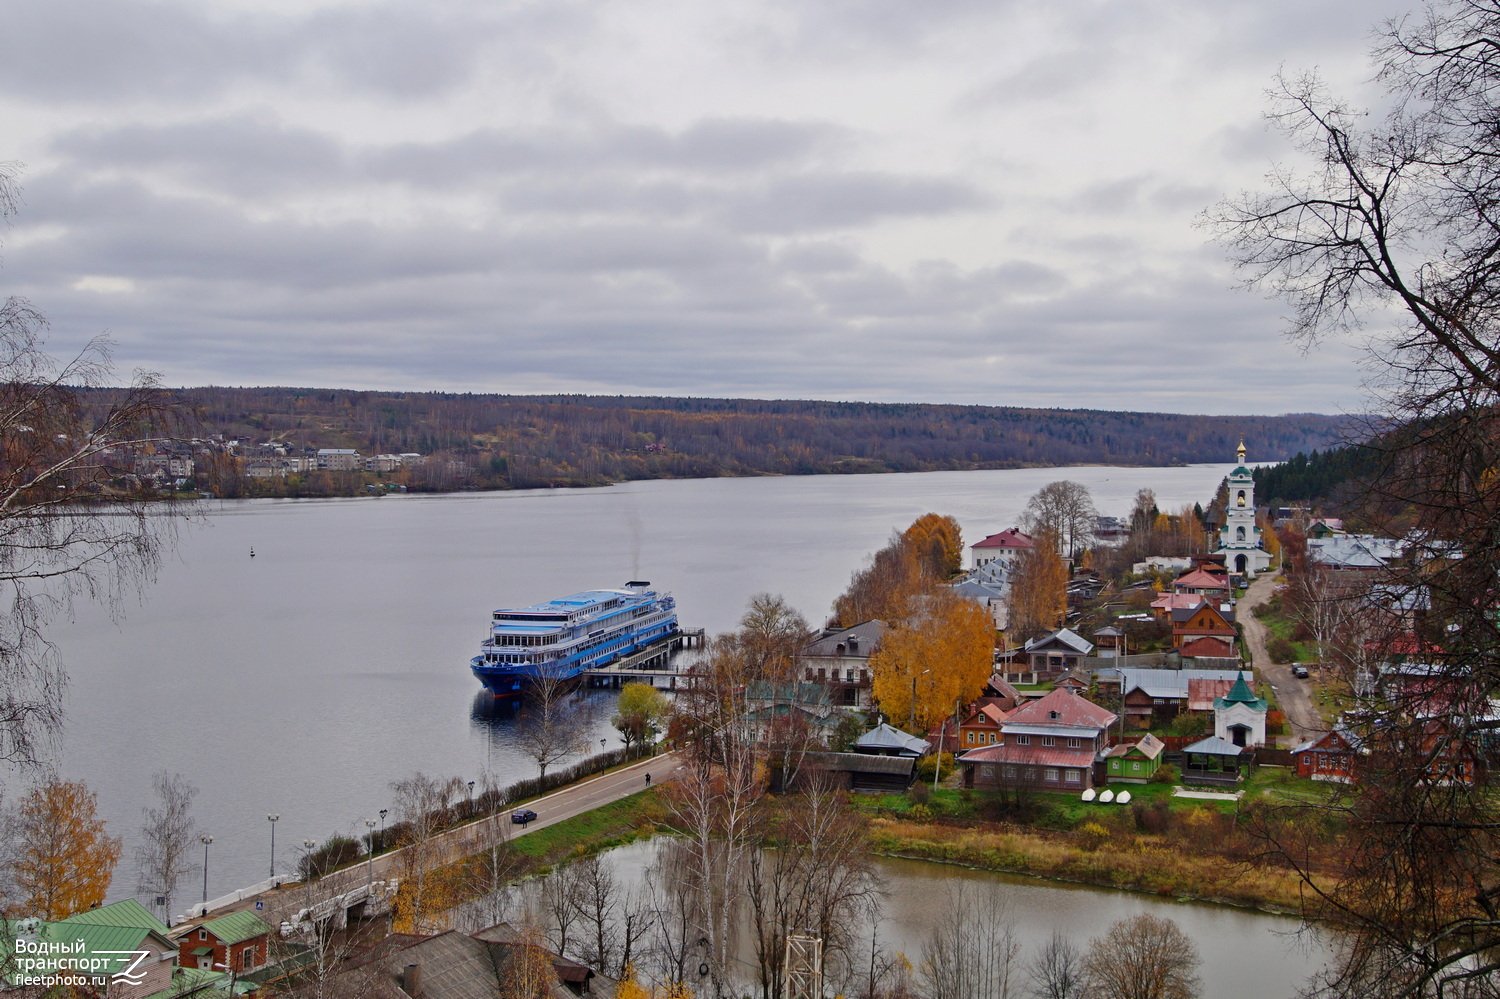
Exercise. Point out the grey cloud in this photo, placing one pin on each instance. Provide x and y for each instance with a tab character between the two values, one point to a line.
1047	78
243	154
840	200
111	51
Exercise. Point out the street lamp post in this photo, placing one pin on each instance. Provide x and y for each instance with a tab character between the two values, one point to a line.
912	723
382	827
272	819
205	839
370	855
308	845
471	800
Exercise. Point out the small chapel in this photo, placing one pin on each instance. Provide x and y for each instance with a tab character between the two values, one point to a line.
1239	538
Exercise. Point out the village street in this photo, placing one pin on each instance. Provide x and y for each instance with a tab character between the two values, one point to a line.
1291	692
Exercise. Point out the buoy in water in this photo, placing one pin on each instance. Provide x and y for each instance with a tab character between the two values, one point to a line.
252	553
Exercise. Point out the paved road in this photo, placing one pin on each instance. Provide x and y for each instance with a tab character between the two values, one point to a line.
575	799
1291	692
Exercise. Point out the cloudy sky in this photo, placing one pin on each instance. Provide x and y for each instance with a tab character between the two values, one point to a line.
897	200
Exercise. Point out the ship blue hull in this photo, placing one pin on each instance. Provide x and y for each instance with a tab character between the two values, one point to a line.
507	679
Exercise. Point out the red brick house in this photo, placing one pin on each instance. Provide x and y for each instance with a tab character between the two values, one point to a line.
236	942
1049	744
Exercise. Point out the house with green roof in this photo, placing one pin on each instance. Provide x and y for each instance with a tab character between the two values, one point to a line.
1134	762
1240	716
119	949
237	943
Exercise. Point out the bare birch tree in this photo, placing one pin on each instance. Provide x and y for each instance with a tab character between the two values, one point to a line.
169	838
1067	509
422	804
1056	971
552	723
75	521
972	953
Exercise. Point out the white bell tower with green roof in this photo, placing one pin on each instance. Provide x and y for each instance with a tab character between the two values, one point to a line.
1239	538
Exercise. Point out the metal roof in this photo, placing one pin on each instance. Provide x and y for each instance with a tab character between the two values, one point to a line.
127	912
237	926
884	736
1214	746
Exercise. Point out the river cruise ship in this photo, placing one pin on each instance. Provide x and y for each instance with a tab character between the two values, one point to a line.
562	638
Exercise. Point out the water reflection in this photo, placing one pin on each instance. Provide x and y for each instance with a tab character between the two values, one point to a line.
1243	952
498	722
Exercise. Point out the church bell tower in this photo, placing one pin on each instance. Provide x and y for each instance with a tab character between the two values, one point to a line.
1239	538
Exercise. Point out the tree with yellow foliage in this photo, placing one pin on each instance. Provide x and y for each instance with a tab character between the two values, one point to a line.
630	988
882	590
915	561
63	859
938	544
947	645
1269	540
1038	591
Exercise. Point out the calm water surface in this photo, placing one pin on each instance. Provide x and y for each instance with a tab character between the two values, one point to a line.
1244	953
304	680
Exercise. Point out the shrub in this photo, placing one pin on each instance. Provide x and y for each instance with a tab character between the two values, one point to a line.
1091	835
1165	774
920	813
919	792
1281	650
1153	818
927	763
336	851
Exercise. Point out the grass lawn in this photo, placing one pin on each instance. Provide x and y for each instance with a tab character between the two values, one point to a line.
610	825
1283	784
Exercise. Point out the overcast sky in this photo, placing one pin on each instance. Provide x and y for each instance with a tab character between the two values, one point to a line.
978	201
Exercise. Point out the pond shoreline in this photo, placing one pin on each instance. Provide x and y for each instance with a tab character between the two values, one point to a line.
1269	908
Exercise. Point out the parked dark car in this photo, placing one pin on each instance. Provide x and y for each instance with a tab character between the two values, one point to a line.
1299	671
521	816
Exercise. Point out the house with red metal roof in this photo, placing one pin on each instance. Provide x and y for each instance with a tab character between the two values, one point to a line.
1202	582
1050	744
1007	546
981	727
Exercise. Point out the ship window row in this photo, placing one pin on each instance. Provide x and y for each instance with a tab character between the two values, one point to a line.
524	640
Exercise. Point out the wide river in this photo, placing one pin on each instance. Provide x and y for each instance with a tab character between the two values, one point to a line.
304	680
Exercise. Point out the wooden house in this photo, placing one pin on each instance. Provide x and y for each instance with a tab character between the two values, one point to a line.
1331	756
1057	653
1205	631
1201	582
1134	762
981	728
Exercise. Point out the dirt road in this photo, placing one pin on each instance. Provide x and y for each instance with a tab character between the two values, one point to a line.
1291	692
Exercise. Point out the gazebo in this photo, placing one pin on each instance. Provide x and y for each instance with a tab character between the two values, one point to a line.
1215	761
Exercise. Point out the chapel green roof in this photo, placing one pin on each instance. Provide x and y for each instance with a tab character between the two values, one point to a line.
1240	693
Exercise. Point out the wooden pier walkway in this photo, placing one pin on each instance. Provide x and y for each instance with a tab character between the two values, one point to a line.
652	664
